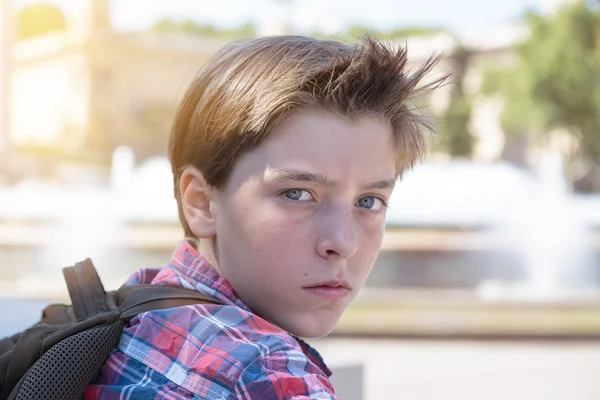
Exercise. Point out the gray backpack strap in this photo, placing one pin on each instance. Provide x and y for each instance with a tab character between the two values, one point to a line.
89	298
86	291
136	299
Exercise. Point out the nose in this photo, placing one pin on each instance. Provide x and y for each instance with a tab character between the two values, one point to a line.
337	234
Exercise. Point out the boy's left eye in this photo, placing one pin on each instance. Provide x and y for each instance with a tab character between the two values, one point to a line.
370	203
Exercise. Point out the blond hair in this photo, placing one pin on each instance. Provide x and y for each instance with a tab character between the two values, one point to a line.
248	87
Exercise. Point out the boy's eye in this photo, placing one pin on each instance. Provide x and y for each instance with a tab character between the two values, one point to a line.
370	203
297	195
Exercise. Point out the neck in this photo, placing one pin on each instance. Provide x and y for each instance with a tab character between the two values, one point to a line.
207	248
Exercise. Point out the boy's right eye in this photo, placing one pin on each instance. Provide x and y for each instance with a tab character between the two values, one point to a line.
297	195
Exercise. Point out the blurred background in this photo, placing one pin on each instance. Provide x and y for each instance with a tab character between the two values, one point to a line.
488	283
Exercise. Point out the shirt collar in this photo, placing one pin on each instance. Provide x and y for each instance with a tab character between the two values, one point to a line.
314	356
197	272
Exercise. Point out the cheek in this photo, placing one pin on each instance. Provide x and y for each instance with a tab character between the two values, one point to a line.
370	242
268	232
372	228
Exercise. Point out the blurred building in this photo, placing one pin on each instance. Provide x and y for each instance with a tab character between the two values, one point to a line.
92	88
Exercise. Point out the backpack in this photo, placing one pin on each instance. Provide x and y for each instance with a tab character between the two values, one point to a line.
59	356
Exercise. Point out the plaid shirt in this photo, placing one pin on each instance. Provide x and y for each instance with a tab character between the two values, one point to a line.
207	351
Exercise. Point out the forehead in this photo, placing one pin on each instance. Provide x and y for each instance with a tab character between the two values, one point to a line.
325	143
314	132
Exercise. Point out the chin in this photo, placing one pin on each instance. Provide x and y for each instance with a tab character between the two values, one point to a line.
313	329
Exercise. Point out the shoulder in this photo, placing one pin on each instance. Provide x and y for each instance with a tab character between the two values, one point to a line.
281	375
225	327
225	347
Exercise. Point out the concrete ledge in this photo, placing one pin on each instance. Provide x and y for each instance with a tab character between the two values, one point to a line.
425	316
348	381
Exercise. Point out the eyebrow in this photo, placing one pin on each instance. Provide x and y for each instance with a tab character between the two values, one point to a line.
286	175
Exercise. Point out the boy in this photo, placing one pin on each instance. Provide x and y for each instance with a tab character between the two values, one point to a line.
284	151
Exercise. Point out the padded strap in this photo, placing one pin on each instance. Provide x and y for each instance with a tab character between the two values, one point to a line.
136	299
86	290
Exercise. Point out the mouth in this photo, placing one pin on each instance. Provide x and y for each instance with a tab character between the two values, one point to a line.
333	284
333	289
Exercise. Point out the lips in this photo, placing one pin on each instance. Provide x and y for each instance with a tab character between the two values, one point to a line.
331	290
332	284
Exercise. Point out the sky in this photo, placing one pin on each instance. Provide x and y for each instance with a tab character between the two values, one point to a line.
462	16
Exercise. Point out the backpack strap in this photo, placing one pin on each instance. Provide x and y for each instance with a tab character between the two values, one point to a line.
86	290
136	299
57	362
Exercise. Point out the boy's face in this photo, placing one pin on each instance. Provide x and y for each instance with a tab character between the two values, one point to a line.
300	222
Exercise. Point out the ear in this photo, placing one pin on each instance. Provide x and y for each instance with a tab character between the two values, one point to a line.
196	200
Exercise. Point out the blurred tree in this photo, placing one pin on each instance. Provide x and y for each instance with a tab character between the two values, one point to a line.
38	18
410	31
456	138
557	84
357	31
191	27
166	25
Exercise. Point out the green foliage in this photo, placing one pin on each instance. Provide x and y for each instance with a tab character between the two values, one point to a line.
355	32
37	19
520	113
563	60
359	30
456	139
556	82
411	31
168	25
190	27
